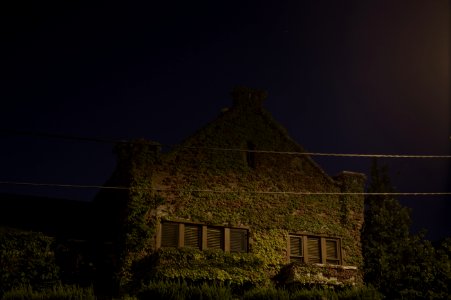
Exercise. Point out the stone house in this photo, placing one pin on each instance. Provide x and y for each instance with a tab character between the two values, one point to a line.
222	206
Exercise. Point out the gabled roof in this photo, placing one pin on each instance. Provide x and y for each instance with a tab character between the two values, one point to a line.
241	123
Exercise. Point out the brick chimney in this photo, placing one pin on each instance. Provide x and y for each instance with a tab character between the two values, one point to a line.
247	98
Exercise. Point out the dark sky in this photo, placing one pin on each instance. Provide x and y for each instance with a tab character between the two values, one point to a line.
342	76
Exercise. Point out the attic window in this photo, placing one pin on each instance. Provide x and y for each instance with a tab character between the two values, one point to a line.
315	249
175	235
250	155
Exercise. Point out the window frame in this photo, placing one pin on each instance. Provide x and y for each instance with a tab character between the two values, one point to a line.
294	257
323	259
225	232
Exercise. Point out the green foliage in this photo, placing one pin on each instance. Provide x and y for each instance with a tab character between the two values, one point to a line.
26	258
182	173
314	294
137	228
442	284
385	231
181	290
397	263
267	293
210	266
59	292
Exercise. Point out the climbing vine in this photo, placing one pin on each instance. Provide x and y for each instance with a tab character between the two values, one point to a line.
187	176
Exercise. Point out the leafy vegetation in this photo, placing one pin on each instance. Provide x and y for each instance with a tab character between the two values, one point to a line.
58	292
26	258
137	228
399	264
211	266
182	290
179	290
181	174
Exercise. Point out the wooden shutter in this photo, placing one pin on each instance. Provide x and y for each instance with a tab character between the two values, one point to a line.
332	252
193	236
314	250
238	240
296	253
215	238
169	234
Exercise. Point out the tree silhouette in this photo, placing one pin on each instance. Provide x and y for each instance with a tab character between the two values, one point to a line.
397	263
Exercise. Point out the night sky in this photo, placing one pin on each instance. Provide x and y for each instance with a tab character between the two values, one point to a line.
342	76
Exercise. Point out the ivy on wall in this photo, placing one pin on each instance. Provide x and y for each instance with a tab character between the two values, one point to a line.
181	173
138	226
214	266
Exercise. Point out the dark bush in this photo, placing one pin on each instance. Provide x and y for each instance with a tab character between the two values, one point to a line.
184	290
26	258
58	292
181	290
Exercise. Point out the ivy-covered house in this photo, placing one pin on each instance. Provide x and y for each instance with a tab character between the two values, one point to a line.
235	202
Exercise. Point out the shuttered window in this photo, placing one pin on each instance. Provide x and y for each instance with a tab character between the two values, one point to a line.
315	249
201	237
215	238
193	236
238	240
169	234
296	251
332	252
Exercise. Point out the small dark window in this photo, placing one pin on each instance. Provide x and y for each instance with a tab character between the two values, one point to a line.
250	156
238	240
169	234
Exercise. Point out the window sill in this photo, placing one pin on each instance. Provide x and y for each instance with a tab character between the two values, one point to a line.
337	266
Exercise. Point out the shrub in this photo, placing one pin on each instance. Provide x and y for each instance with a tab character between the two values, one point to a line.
311	294
26	258
182	290
59	292
266	294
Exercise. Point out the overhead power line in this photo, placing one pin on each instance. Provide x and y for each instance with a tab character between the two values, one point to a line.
325	154
78	186
116	141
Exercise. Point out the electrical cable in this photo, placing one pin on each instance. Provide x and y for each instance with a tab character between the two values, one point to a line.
116	141
226	191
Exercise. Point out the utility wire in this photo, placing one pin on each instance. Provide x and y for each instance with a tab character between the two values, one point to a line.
116	141
325	154
225	191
